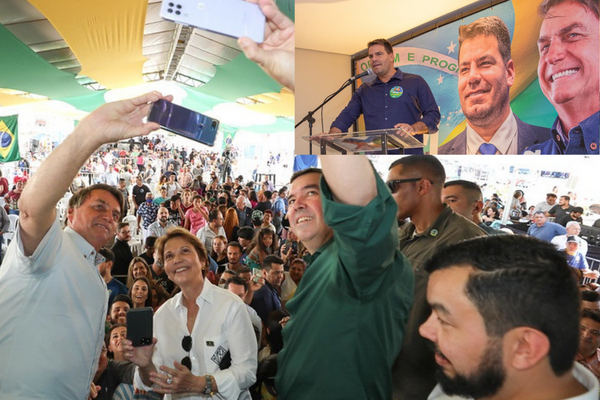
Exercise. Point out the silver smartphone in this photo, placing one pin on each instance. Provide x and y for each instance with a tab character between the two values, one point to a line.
235	18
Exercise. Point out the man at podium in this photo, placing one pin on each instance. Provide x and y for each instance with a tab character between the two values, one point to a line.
394	99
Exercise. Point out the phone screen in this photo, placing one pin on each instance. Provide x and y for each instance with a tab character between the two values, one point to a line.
184	122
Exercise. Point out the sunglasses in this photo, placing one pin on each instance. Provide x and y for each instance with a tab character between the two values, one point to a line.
393	184
186	343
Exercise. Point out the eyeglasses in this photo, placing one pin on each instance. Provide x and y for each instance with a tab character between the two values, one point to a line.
186	343
393	184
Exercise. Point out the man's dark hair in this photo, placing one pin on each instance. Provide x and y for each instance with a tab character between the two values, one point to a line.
246	232
107	254
283	190
551	195
546	5
236	280
121	297
520	281
214	214
594	315
175	197
311	170
236	244
268	194
271	259
384	42
468	186
487	26
577	210
150	241
82	194
567	198
590	295
122	225
428	165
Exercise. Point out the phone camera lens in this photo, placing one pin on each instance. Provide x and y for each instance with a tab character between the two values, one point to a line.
171	4
214	124
178	12
169	10
179	6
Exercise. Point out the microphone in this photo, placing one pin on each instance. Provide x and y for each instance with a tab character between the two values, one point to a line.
367	72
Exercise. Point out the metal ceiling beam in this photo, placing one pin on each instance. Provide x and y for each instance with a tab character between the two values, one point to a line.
181	38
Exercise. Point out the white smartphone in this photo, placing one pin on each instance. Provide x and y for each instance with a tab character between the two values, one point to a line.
234	18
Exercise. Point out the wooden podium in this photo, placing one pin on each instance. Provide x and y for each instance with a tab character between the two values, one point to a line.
377	141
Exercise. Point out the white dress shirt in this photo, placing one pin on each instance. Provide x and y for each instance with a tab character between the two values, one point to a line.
505	138
222	324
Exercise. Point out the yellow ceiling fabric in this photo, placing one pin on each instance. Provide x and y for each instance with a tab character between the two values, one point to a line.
283	107
105	36
524	44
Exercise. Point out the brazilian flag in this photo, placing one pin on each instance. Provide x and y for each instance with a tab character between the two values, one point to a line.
228	135
9	142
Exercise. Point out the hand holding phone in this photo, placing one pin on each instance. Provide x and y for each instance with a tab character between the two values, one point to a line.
184	122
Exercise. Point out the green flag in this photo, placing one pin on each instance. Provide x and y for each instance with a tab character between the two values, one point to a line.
9	141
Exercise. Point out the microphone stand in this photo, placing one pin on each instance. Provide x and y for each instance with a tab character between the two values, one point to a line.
309	116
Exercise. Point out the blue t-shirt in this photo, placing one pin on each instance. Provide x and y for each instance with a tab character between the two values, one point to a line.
547	231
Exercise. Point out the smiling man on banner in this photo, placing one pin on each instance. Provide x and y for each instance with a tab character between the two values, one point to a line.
486	73
569	75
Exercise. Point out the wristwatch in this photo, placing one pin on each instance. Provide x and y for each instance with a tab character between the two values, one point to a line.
208	389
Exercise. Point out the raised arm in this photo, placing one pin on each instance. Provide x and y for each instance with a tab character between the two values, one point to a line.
350	178
110	123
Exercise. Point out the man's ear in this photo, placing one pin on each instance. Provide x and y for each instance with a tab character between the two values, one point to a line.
525	347
477	207
70	212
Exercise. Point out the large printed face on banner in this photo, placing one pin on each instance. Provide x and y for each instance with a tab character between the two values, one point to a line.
567	70
484	81
568	67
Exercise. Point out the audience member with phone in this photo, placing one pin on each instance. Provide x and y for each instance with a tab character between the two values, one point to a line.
196	330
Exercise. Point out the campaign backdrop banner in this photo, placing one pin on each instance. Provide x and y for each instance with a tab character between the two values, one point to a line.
434	56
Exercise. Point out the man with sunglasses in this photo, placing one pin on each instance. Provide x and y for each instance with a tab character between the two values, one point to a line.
416	183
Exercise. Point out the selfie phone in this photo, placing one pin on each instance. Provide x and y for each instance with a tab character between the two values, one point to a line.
139	326
184	122
235	18
257	275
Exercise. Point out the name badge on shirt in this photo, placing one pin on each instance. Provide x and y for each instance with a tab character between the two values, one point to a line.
396	92
210	343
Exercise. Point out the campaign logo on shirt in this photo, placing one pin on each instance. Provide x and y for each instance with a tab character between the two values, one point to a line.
396	92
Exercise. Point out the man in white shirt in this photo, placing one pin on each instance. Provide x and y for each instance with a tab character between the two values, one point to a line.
486	73
492	339
53	298
545	206
573	229
209	231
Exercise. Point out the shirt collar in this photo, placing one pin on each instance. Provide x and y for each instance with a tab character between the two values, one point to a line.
504	137
207	295
398	75
88	251
320	250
